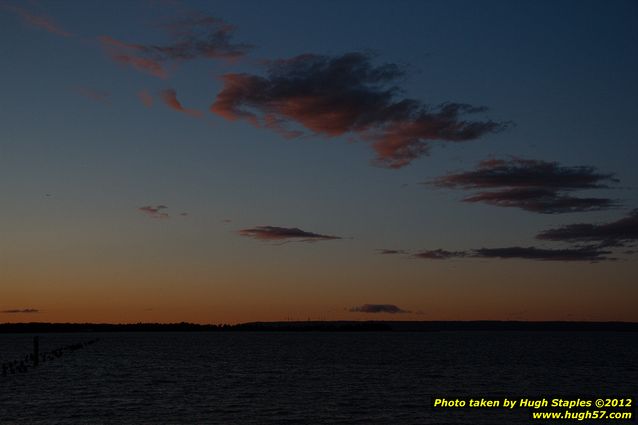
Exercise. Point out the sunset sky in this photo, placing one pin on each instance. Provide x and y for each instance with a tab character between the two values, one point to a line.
232	161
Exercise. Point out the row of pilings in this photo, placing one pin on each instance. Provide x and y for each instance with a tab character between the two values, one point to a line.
34	359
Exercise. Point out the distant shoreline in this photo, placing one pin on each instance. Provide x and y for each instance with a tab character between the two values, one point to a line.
325	326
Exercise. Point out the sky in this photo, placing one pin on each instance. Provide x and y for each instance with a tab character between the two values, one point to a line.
224	161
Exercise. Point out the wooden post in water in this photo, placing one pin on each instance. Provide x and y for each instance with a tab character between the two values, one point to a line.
36	350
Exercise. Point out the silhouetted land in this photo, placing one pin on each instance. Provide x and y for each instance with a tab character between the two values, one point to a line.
322	326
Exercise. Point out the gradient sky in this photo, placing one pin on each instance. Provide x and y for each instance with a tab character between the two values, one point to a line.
148	169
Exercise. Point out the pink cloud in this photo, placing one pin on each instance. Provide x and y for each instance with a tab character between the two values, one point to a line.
39	21
273	233
129	54
169	97
146	98
193	37
154	211
347	95
100	96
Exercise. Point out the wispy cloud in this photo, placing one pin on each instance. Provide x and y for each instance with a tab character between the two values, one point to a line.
622	232
146	98
587	254
517	172
378	308
533	185
590	254
196	36
272	233
390	251
96	95
35	20
544	201
169	97
18	310
156	211
589	243
131	55
200	36
347	95
439	254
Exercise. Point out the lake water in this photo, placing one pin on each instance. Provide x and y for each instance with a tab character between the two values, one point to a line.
307	378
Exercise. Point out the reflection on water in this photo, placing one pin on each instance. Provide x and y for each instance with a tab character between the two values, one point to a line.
307	378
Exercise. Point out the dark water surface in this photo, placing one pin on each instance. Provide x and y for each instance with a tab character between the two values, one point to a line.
307	378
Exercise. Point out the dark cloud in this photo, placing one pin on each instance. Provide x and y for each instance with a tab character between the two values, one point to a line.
391	251
617	233
39	21
590	242
200	36
193	37
155	211
347	95
24	310
378	308
533	185
526	173
272	233
588	254
591	254
544	201
438	254
169	97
